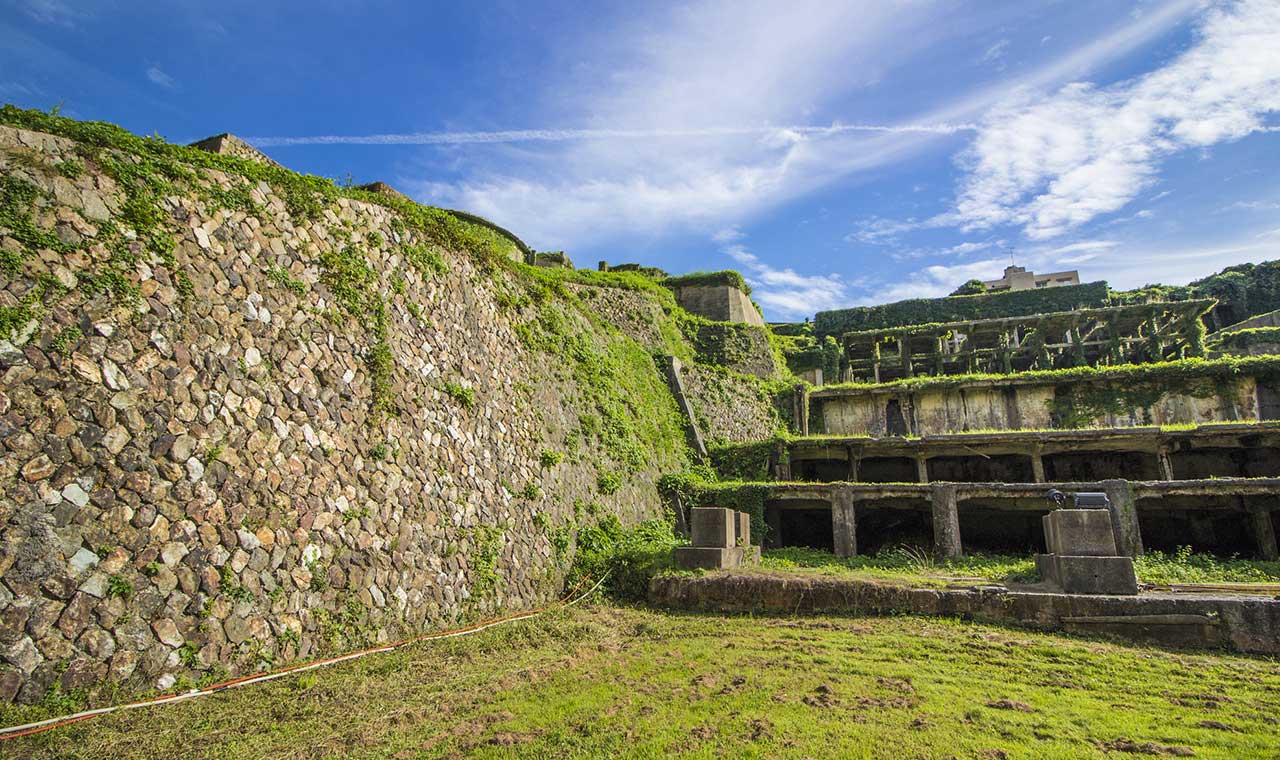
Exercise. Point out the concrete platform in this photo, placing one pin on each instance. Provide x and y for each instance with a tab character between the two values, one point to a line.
1242	622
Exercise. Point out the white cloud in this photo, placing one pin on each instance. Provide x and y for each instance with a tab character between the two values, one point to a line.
1122	264
698	94
159	77
966	248
1256	205
935	281
1052	164
768	136
996	53
728	235
784	292
51	12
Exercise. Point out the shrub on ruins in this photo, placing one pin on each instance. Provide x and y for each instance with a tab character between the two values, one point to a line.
970	288
627	557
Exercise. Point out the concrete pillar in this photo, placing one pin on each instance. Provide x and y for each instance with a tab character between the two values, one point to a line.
946	523
1165	464
772	537
1124	517
844	523
1264	533
855	459
1037	466
922	470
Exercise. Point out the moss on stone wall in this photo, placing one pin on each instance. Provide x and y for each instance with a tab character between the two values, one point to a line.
350	414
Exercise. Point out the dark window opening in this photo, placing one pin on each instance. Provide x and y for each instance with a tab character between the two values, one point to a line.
799	524
976	469
1268	402
1001	531
894	422
820	470
1208	531
880	528
1088	466
887	470
1195	464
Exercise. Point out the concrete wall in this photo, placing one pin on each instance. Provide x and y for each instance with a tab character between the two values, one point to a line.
721	303
1012	407
202	474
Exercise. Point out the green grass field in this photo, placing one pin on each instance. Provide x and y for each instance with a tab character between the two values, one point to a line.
622	682
918	567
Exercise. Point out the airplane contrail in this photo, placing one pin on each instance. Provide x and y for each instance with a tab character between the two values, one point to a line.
563	135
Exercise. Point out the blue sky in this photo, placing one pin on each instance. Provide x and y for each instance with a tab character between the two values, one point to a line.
837	153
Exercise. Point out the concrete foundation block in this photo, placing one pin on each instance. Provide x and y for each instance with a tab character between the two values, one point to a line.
713	527
1088	575
1079	532
710	558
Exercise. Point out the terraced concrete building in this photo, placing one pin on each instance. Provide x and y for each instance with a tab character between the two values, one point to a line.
957	415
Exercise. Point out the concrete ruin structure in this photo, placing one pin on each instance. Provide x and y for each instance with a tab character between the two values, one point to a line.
1082	556
720	303
720	539
948	433
1018	278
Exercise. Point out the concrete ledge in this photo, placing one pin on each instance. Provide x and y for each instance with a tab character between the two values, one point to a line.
1245	623
708	557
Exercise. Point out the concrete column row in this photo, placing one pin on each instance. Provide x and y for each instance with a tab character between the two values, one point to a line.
1164	467
947	542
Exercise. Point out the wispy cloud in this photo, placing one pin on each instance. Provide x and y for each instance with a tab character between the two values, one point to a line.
996	54
1052	164
51	12
159	77
784	292
703	149
1256	205
575	135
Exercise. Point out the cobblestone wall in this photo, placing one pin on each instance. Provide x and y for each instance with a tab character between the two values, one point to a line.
195	479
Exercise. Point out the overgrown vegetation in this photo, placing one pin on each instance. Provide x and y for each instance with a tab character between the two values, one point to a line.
627	557
905	563
1185	566
918	566
726	277
1172	374
1015	303
1242	291
628	682
1247	337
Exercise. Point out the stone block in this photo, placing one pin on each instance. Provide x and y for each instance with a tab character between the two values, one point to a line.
1088	575
708	557
742	521
1079	532
713	527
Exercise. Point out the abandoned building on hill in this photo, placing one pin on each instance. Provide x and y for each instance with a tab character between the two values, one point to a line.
958	414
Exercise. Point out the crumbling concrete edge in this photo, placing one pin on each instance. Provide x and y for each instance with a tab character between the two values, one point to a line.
1249	624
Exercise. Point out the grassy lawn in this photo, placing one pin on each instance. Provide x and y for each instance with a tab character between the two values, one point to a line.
920	568
624	682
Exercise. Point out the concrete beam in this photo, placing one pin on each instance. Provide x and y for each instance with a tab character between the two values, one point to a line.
946	522
1124	517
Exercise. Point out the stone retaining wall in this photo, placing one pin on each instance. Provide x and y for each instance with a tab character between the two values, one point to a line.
199	479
